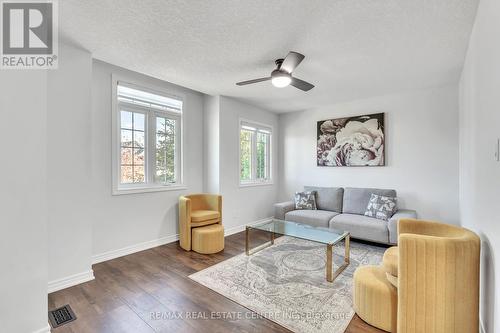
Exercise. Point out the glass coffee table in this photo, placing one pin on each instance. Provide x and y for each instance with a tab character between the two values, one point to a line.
327	236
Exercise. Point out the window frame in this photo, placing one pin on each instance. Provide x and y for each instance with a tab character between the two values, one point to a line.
269	153
149	139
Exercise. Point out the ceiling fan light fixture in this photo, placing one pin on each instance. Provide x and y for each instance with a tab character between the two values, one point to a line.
282	76
281	80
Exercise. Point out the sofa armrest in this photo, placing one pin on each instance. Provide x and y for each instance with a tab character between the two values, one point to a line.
393	223
280	209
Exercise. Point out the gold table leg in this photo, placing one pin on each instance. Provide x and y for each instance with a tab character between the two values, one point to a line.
347	254
246	240
330	276
249	251
329	259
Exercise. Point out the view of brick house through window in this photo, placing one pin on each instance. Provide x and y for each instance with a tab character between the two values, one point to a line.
132	147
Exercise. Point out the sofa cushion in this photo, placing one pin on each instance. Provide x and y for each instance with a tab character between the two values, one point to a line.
356	199
317	218
328	198
362	227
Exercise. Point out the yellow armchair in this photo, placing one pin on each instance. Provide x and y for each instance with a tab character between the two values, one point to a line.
438	278
429	283
197	210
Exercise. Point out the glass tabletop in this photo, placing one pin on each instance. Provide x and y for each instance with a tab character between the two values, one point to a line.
300	230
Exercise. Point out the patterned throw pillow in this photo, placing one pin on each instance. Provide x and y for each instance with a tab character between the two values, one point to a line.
305	200
381	207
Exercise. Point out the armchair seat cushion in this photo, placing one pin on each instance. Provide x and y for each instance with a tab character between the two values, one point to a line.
204	215
206	222
390	261
375	299
392	279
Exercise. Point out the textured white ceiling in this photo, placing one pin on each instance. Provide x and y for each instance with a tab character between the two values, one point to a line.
353	48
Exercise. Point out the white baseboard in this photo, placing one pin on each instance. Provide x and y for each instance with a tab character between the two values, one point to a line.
45	329
158	242
133	249
89	275
70	281
240	228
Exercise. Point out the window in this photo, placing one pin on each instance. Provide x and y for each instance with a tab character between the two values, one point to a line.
255	153
147	145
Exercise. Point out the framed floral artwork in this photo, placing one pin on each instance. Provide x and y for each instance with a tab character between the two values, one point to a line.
351	141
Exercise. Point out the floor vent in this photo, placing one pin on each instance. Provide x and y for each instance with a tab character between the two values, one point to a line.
61	316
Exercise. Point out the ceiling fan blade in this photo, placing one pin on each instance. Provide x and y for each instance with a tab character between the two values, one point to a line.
292	60
253	81
302	85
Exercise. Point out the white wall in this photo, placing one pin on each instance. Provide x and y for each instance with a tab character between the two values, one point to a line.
85	220
479	170
23	213
421	130
68	172
242	205
211	128
125	220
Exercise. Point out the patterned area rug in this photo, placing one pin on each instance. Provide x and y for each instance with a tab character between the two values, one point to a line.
286	283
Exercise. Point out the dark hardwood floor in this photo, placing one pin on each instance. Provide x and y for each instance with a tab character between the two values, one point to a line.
150	291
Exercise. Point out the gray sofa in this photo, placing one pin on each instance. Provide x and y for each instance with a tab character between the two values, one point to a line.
344	209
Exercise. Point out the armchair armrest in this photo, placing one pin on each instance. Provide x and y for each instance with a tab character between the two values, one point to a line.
185	223
280	209
418	268
438	270
393	223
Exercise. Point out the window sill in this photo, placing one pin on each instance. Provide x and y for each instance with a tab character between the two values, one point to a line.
256	184
148	189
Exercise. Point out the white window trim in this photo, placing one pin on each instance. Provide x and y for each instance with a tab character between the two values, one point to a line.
256	182
117	188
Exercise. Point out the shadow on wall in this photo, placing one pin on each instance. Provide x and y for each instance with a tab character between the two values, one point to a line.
487	297
170	219
175	213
